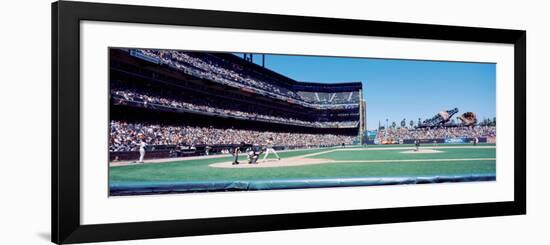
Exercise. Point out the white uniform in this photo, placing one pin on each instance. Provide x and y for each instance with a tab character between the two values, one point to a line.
142	151
269	148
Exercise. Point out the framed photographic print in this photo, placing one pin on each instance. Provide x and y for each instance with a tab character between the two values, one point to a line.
176	122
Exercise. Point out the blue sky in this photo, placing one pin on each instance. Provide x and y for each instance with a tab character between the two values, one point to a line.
397	89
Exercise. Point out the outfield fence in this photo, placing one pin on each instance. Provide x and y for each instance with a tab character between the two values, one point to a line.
462	140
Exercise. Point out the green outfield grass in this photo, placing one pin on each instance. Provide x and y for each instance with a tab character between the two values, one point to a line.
447	153
198	170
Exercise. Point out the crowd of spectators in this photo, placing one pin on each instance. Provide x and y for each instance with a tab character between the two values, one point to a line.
213	68
211	106
436	133
124	136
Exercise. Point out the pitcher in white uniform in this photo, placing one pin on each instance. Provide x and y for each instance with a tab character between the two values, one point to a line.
269	148
142	151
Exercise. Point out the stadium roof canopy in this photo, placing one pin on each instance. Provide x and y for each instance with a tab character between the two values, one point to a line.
327	87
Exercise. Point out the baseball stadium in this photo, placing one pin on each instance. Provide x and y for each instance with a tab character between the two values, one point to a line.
189	121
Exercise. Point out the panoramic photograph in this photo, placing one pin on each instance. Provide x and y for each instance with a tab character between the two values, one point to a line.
198	121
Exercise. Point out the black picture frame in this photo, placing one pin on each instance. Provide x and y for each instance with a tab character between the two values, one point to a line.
66	17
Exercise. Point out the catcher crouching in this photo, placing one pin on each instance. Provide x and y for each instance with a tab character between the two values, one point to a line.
253	153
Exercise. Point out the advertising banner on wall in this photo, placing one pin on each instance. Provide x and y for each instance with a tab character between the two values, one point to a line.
456	141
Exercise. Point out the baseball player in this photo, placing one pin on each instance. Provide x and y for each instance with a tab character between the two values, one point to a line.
236	151
416	144
254	153
269	148
142	146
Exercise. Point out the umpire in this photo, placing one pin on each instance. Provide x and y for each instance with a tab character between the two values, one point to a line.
236	153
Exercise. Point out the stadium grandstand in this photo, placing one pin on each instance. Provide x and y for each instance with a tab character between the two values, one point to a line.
198	103
440	129
448	134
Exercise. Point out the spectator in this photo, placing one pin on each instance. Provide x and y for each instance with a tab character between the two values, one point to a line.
204	104
397	134
213	68
126	136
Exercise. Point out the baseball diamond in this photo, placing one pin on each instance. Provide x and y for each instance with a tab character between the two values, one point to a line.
376	165
193	121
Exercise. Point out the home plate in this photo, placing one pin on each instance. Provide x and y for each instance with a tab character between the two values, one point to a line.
422	151
273	163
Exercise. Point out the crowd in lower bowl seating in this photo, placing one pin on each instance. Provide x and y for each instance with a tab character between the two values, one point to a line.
226	109
125	136
437	133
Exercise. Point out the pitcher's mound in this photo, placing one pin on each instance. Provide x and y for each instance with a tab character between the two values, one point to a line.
273	163
422	151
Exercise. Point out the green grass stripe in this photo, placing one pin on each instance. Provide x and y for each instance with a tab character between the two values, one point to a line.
198	169
193	172
450	153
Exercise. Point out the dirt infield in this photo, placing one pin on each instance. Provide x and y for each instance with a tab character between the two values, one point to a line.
274	163
306	160
298	161
302	168
421	151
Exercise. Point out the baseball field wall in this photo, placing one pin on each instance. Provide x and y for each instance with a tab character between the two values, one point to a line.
442	141
138	188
